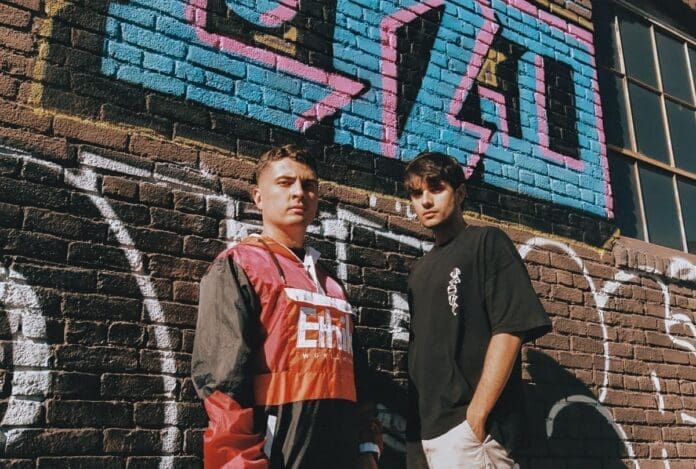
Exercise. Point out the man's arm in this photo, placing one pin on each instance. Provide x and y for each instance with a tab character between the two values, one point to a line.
500	358
226	335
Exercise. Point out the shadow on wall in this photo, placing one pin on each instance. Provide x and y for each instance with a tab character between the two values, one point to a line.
565	421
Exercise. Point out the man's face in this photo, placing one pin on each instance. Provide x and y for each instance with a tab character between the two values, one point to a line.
435	205
287	194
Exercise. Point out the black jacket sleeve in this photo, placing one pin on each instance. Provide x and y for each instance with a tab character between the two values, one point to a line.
227	332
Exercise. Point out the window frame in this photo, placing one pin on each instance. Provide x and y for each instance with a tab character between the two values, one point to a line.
619	72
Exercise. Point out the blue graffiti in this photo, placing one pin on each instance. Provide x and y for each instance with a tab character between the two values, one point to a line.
167	46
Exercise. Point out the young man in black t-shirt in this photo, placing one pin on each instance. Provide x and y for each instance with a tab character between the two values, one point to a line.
472	306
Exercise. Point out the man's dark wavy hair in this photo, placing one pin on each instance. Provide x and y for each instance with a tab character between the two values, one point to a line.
434	169
294	152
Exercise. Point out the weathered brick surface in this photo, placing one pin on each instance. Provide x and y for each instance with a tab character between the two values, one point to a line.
125	169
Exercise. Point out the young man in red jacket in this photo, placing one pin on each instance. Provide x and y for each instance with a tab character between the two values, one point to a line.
273	352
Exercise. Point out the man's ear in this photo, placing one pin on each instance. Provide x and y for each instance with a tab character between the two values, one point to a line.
256	197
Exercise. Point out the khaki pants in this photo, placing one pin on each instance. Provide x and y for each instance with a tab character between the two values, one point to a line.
460	449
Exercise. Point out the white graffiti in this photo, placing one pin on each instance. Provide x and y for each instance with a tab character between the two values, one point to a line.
31	355
679	269
336	227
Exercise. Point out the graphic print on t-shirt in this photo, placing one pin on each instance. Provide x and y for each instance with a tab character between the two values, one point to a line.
452	296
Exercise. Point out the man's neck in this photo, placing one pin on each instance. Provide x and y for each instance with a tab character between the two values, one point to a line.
293	239
447	230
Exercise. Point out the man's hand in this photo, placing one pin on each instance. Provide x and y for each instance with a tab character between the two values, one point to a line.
367	461
477	424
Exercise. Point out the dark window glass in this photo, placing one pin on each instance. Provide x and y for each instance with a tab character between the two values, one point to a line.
674	71
607	52
687	194
614	109
660	207
637	49
624	189
647	122
682	128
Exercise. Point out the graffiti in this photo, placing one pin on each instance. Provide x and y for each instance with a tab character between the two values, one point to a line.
679	328
29	359
493	79
30	380
19	300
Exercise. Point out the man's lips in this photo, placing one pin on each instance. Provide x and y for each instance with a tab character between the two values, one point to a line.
429	214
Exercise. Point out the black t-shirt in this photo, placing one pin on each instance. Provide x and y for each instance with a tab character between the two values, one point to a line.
460	294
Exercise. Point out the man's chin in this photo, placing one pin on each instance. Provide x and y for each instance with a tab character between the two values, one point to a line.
430	223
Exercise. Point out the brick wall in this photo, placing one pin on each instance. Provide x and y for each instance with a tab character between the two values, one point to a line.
128	135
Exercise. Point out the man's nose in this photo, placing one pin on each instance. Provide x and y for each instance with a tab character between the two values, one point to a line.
296	189
426	199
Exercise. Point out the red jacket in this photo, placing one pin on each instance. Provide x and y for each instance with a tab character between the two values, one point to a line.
273	359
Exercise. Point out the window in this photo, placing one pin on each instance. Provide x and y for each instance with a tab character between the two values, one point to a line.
646	78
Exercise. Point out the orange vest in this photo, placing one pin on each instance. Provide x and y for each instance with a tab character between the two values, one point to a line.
307	350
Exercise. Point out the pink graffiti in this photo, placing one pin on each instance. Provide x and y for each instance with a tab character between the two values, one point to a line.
483	43
585	37
281	13
484	40
388	27
343	89
499	100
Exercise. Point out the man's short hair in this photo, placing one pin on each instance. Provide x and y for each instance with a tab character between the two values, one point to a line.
294	152
434	169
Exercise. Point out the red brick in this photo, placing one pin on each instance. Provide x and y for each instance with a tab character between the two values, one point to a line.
411	227
236	188
563	262
533	271
120	188
8	86
648	354
548	275
686	450
538	256
676	434
16	40
34	5
553	341
541	289
14	16
339	193
555	308
15	64
570	295
575	360
647	434
23	116
53	148
88	132
628	415
162	150
227	166
583	313
392	205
